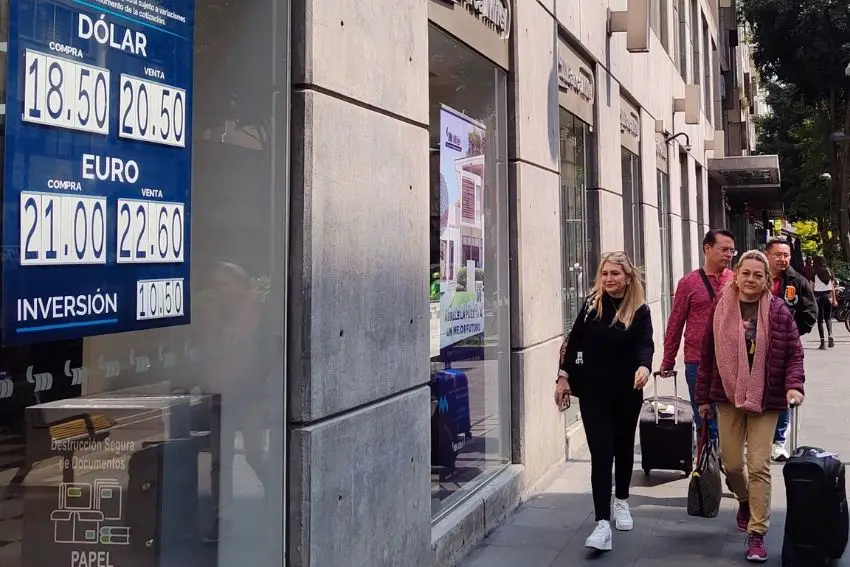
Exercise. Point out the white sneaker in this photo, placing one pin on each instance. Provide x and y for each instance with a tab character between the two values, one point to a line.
779	452
622	516
601	537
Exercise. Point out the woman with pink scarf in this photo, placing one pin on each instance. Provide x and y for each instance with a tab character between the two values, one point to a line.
751	369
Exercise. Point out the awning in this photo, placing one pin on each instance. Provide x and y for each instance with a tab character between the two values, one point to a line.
753	180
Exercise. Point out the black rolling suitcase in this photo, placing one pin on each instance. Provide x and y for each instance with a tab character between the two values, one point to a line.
667	441
817	522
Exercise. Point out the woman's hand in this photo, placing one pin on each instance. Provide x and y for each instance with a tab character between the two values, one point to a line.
705	411
641	377
794	397
562	389
834	301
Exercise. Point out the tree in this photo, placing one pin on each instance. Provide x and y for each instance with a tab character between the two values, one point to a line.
804	44
798	135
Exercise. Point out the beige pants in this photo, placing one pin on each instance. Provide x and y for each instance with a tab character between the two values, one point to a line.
737	427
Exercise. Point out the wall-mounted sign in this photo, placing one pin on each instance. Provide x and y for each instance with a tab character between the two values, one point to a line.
661	153
494	13
575	83
97	176
629	126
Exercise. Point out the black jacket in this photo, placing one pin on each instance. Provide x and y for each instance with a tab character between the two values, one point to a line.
610	355
803	305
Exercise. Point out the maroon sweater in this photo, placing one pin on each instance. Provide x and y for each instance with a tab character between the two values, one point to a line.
784	362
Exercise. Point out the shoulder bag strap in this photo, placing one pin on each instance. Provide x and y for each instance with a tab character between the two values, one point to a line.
707	283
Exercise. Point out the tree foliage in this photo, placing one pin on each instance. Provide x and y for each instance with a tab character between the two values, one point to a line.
802	48
804	43
798	134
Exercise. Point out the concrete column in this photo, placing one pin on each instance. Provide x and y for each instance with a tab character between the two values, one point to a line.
358	363
535	234
610	181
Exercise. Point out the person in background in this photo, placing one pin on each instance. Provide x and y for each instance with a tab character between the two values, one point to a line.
808	269
790	286
824	284
606	365
751	369
692	303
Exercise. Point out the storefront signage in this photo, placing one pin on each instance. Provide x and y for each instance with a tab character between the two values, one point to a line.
96	199
629	126
494	13
462	269
575	82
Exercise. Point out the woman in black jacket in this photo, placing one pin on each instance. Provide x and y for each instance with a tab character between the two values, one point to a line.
606	364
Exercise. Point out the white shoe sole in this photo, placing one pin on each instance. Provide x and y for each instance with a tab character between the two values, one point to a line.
605	546
756	559
624	527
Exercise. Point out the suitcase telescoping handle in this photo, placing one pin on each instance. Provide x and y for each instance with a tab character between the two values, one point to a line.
670	374
795	424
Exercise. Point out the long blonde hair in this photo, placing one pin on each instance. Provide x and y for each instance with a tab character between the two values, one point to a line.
634	297
759	256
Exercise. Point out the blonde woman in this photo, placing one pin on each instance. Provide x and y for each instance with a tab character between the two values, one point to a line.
606	364
751	369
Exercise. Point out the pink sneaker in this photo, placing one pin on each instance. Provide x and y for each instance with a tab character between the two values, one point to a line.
756	551
743	517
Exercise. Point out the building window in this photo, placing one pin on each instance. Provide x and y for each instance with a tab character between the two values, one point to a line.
472	250
695	43
470	384
682	13
700	206
684	194
658	21
707	82
663	182
632	207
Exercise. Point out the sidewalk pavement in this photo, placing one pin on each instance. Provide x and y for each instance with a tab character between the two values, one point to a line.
549	530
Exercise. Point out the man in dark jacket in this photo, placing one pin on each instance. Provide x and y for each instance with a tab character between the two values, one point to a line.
794	289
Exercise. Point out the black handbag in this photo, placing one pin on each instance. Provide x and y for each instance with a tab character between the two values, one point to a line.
705	489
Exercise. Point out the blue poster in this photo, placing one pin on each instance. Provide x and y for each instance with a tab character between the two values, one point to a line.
96	188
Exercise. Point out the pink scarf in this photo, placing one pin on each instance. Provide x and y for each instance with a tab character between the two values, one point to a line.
744	388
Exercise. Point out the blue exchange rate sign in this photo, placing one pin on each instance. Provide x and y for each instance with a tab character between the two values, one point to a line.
96	196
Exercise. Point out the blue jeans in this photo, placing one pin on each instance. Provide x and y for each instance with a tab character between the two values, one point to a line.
782	425
691	371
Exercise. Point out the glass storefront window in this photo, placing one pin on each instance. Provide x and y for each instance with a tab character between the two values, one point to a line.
470	342
576	159
155	445
632	207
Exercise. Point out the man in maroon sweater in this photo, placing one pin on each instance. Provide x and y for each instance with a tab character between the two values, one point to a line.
692	306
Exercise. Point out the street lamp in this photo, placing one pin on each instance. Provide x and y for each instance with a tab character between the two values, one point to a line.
687	140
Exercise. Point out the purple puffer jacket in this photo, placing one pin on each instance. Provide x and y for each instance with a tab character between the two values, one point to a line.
784	362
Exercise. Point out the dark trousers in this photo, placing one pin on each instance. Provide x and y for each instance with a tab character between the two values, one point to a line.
610	420
824	299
